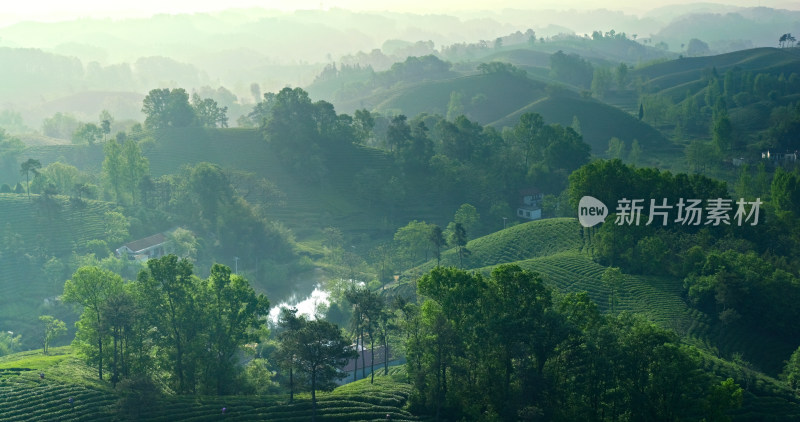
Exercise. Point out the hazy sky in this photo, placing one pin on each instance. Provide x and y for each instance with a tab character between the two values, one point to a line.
48	10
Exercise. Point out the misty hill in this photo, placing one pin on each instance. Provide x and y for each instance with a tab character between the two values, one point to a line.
599	121
684	71
485	97
732	29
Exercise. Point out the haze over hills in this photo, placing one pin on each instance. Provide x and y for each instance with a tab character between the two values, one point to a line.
238	47
166	181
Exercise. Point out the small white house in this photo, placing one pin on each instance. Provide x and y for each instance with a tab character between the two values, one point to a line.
530	207
143	249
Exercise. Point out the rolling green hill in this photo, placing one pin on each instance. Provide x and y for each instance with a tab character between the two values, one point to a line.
485	97
26	397
599	122
308	206
687	70
559	251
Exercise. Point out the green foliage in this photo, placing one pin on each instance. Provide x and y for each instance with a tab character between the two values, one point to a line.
616	149
735	285
28	167
90	288
52	328
61	125
785	191
164	108
722	132
208	113
702	156
88	133
601	81
571	69
792	370
484	343
9	343
412	242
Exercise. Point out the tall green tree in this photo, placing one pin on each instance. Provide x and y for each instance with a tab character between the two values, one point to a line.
438	240
171	301
458	238
136	167
208	113
90	288
236	315
28	167
321	351
52	328
289	324
114	168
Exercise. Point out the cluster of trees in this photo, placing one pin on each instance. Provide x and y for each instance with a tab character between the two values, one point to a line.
572	69
739	274
786	40
301	131
471	161
204	199
164	108
168	322
504	347
478	163
705	112
417	242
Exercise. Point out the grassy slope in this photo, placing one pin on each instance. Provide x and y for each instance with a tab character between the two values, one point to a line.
557	250
599	122
674	73
24	287
26	397
503	94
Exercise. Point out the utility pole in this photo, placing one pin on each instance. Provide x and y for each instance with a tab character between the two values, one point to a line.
236	265
504	222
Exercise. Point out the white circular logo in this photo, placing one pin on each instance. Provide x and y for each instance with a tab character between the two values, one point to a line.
591	211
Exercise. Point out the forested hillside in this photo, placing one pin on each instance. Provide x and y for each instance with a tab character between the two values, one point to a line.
407	237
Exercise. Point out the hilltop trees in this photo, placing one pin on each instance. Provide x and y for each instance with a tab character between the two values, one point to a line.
299	130
571	69
166	107
208	113
786	40
88	133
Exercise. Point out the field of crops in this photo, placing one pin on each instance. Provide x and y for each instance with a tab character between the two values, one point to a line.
31	237
24	396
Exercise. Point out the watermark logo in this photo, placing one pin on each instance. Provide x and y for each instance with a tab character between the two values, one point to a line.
591	211
686	212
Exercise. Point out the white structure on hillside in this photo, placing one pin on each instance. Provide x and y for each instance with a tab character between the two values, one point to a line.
530	207
143	249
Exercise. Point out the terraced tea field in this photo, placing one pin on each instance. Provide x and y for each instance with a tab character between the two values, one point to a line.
26	397
556	249
31	238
